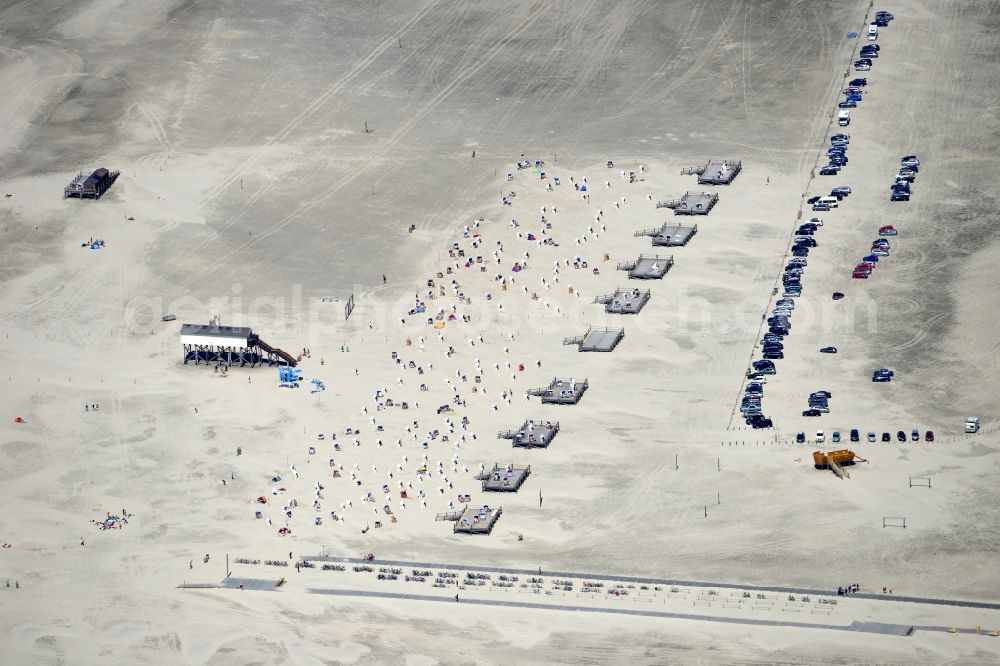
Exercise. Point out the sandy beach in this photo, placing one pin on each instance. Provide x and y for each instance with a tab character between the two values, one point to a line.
476	183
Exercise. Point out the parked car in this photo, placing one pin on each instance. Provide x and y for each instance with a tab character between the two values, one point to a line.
855	435
915	435
812	412
842	189
841	136
887	230
774	354
899	196
820	437
929	436
886	437
871	437
860	275
862	67
836	437
910	161
884	15
820	394
828	170
853	97
868	54
900	435
861	82
873	258
828	350
813	200
837	295
800	437
882	375
808	241
879	252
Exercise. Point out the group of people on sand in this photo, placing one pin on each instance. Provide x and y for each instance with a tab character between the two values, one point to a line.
444	304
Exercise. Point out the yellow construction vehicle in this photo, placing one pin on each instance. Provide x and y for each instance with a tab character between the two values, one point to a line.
836	460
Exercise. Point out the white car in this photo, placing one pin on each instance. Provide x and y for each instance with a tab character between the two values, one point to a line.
818	221
820	437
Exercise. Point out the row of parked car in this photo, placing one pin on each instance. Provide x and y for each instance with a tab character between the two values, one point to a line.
879	250
909	165
855	436
779	323
870	51
750	405
819	403
836	153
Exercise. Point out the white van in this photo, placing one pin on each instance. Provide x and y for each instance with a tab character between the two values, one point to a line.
872	32
844	118
832	202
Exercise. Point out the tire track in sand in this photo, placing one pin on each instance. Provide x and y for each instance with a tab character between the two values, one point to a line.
339	182
317	103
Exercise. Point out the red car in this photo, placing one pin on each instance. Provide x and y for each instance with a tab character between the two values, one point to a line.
863	275
929	436
865	265
887	230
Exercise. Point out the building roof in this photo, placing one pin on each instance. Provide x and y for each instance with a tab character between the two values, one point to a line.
214	331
